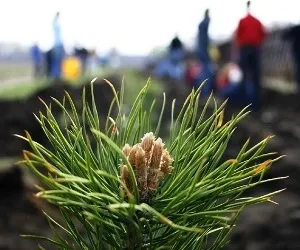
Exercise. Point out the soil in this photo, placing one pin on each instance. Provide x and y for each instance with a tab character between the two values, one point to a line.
261	227
18	116
20	210
270	226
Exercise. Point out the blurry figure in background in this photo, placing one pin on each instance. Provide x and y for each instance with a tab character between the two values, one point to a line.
114	59
57	53
48	62
203	39
214	53
250	35
176	50
203	51
293	35
229	83
172	65
38	61
93	63
166	69
82	54
176	56
193	70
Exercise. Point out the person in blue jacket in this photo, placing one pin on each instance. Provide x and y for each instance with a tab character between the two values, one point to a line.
203	38
57	53
37	58
203	43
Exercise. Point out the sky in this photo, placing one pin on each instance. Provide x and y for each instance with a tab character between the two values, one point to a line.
131	26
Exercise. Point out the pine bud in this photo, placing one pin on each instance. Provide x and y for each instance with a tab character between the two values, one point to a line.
131	157
126	150
147	144
125	177
141	169
150	161
156	154
166	162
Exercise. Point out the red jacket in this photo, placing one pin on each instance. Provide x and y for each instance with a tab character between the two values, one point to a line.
250	32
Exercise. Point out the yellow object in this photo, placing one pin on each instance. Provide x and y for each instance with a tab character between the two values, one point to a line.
214	53
71	68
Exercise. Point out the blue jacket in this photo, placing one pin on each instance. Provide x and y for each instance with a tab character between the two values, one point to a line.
203	39
36	54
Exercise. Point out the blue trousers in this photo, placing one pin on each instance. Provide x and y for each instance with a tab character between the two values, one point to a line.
250	65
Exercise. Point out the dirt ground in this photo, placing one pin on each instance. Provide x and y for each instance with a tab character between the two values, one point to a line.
20	210
261	227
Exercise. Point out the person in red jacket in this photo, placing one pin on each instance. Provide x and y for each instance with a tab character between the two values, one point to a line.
250	35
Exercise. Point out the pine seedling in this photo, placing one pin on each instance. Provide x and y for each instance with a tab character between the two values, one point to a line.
120	185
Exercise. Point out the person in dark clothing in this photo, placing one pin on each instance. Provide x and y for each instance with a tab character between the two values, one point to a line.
203	38
203	52
82	54
293	35
48	62
250	35
176	43
37	58
57	54
176	49
58	51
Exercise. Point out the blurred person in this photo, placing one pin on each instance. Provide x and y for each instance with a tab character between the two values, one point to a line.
114	59
293	35
192	72
229	85
228	79
250	35
82	54
176	50
37	58
57	53
204	55
57	29
48	62
93	63
203	38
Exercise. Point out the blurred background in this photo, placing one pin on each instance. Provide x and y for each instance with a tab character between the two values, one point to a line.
247	51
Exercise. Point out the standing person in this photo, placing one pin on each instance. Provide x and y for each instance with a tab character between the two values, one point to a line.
58	48
293	35
93	63
203	50
176	56
82	54
250	35
176	50
203	38
37	58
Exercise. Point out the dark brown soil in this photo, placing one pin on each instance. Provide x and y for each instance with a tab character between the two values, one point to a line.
270	226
